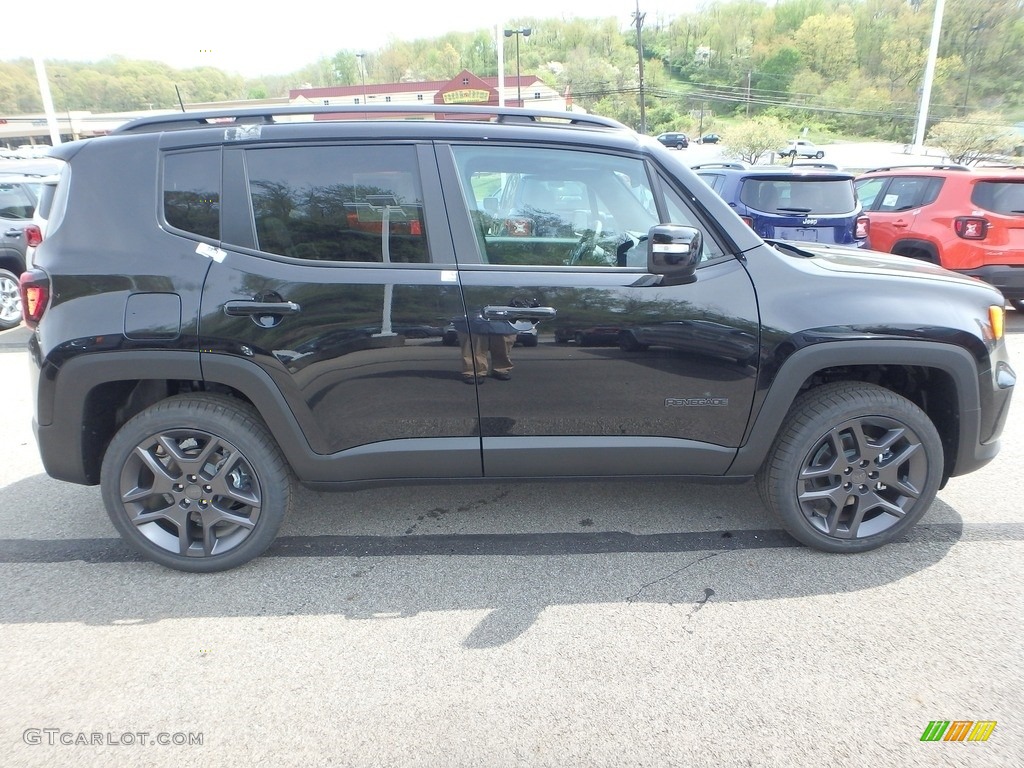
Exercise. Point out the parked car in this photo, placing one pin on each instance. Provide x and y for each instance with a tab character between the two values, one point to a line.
801	148
969	221
19	233
710	138
205	315
806	204
674	139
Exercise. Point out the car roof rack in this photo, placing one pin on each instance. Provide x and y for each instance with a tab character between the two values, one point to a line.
823	166
923	166
266	116
733	166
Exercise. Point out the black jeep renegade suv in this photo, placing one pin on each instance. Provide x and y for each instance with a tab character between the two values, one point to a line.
223	303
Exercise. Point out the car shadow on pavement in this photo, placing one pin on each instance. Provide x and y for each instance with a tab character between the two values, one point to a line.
380	567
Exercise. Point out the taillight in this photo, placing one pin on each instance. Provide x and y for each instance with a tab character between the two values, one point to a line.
33	235
34	286
861	230
970	227
748	221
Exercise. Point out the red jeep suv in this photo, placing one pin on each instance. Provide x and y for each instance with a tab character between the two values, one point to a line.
966	220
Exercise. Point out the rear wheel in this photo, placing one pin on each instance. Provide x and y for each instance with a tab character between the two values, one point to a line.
10	300
853	467
819	155
196	483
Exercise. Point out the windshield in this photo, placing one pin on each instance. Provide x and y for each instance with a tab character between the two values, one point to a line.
799	195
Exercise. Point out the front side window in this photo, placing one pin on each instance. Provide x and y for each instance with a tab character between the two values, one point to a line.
554	207
868	189
192	192
338	203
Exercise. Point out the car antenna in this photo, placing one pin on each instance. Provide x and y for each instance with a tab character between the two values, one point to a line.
179	97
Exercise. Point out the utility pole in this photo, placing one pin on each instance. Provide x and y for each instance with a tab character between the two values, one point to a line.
638	19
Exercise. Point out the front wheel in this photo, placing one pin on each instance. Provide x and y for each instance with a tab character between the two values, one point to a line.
196	483
10	301
819	155
1017	304
853	467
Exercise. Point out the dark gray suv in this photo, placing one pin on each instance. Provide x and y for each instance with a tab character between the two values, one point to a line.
223	303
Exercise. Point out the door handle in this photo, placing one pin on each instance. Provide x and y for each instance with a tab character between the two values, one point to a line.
900	223
13	232
249	308
519	313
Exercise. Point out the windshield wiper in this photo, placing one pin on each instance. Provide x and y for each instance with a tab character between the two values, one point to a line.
794	210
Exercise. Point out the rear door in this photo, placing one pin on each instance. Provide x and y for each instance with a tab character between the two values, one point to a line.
589	399
333	286
894	206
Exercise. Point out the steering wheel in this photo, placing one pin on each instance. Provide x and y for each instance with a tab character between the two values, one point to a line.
586	245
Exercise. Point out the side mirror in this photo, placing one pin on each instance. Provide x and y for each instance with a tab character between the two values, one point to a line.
673	252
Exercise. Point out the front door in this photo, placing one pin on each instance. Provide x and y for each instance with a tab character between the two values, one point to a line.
627	377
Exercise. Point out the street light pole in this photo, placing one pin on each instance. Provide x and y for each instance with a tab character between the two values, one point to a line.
525	32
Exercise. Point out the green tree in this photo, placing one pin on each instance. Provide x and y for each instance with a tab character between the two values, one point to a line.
827	44
975	137
751	140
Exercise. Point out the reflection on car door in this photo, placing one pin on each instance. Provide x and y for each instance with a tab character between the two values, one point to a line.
571	409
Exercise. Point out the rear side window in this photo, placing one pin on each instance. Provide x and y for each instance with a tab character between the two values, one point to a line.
799	195
1006	197
192	192
906	192
340	203
714	180
16	202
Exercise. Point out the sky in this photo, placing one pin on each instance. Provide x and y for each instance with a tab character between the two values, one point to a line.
248	39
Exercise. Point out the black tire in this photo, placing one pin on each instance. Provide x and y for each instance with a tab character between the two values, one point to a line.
853	467
224	512
10	301
679	145
1017	304
819	155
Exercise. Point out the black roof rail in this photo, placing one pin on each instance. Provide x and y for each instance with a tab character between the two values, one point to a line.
733	166
265	116
925	166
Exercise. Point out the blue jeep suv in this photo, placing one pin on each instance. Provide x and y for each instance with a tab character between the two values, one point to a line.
810	202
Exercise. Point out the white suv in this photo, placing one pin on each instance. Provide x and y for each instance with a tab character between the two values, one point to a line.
801	148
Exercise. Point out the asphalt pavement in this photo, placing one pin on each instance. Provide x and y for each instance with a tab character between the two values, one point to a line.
645	623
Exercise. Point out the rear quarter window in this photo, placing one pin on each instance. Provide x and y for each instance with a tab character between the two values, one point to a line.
1005	197
191	187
